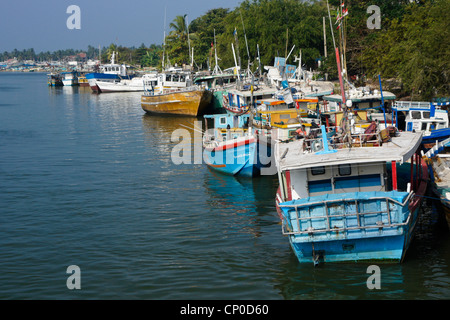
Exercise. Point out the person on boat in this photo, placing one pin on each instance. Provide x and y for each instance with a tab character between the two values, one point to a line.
301	132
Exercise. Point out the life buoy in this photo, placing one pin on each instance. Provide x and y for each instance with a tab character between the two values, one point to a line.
225	100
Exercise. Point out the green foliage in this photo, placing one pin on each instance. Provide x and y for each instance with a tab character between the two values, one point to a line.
415	49
411	46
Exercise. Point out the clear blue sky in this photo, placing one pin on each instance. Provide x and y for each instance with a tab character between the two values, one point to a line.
41	24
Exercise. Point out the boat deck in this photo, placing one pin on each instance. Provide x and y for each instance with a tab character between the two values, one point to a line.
292	155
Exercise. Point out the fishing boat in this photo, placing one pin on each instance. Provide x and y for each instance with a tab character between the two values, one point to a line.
112	72
350	197
361	98
427	117
230	146
70	78
135	84
240	98
54	80
173	92
82	81
300	82
438	160
217	84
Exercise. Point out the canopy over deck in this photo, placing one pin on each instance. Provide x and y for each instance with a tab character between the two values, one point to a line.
399	149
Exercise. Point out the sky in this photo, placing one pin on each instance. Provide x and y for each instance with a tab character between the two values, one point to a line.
42	24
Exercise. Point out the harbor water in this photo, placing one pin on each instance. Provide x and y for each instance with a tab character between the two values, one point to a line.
88	180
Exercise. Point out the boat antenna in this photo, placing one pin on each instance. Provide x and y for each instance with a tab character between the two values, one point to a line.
382	101
235	62
164	39
191	55
217	69
237	48
259	62
344	121
246	44
331	25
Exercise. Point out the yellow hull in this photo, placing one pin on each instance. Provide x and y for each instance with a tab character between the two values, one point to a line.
190	103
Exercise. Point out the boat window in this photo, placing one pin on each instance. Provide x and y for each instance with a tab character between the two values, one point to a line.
223	120
176	77
182	78
416	115
317	171
424	126
168	77
426	115
345	169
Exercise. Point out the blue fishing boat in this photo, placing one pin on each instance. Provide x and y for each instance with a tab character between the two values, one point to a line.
231	146
350	197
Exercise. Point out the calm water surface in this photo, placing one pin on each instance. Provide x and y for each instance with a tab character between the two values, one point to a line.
88	180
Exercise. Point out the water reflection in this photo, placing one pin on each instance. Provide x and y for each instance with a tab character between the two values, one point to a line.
423	275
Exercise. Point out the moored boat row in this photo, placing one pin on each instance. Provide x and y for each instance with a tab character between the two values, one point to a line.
350	175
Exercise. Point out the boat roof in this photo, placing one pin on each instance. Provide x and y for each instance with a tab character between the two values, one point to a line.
215	76
247	93
399	149
273	101
366	98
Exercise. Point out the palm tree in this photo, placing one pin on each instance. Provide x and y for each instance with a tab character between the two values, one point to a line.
177	44
179	26
112	48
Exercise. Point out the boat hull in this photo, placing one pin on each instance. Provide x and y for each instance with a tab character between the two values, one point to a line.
133	85
189	103
70	82
83	82
352	227
105	77
371	236
238	158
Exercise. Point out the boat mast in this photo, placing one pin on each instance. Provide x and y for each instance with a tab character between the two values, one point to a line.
216	67
191	55
164	40
344	121
246	44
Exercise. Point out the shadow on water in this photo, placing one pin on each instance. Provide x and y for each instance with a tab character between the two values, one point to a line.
424	273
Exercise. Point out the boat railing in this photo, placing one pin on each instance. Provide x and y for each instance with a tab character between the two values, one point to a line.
170	90
287	228
314	141
406	105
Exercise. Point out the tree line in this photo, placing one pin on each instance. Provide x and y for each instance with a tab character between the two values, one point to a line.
143	56
411	45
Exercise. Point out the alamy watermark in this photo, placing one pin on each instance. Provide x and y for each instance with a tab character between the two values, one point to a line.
374	280
74	20
374	21
74	280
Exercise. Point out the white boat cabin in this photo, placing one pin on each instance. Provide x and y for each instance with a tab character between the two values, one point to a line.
169	81
307	172
114	68
339	178
422	116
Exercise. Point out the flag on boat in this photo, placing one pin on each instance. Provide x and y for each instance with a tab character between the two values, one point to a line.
287	96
